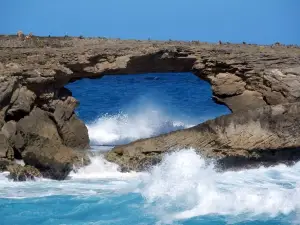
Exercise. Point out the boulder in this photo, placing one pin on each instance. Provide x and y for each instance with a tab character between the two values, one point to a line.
39	144
21	103
36	124
266	135
227	84
53	160
23	173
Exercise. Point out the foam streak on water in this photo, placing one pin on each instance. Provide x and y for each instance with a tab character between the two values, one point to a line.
181	188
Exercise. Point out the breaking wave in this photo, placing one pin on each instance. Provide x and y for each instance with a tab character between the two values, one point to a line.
123	128
181	187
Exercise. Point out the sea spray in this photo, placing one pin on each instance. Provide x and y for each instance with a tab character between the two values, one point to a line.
182	187
123	128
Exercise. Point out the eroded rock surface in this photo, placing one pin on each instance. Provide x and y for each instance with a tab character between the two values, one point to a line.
37	117
23	173
265	135
268	74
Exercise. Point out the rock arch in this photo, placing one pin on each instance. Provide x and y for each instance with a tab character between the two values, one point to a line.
33	75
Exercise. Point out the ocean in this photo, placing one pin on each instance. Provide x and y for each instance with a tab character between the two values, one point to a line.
182	189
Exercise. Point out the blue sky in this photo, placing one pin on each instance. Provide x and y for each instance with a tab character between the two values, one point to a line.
255	21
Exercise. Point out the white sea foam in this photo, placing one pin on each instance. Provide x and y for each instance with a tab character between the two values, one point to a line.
123	128
183	186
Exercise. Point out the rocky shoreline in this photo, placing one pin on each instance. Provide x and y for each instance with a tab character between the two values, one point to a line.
262	136
39	126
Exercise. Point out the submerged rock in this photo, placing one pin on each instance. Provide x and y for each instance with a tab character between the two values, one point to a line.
266	135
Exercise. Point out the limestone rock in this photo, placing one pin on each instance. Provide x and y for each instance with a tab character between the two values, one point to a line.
23	173
6	90
37	124
9	129
74	133
39	144
6	151
52	159
4	164
250	99
2	115
72	130
243	77
64	110
264	135
20	104
227	84
264	70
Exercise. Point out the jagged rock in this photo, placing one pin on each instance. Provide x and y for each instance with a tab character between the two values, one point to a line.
6	151
40	145
23	173
53	160
74	133
36	124
64	110
47	70
20	104
6	90
265	135
242	77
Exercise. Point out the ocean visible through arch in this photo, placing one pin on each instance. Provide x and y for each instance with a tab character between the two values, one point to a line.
182	189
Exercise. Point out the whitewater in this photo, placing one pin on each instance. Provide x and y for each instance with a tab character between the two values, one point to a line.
182	189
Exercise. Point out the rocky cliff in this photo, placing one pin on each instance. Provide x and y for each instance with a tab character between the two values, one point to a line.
37	117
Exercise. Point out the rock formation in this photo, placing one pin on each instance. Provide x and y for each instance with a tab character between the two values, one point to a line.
37	118
264	135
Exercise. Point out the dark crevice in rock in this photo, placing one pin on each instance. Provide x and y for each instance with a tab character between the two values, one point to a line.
266	158
18	154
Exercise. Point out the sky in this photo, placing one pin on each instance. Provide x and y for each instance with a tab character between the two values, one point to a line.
235	21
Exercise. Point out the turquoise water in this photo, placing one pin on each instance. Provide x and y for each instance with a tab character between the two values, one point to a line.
183	189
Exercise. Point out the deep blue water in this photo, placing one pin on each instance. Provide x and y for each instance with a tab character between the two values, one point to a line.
181	190
178	95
